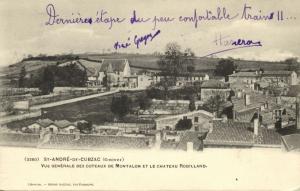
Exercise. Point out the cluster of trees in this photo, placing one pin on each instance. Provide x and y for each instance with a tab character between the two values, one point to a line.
225	67
55	57
121	106
50	76
184	93
184	124
292	64
174	63
85	127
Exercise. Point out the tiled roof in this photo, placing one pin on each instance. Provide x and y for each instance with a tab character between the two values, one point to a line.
44	122
230	133
268	137
244	74
264	74
294	91
291	142
62	123
214	84
277	73
92	67
233	133
256	100
117	65
190	136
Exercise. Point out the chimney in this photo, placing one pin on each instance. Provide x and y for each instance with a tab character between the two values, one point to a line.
189	147
266	105
298	112
224	118
278	100
256	125
77	135
158	136
239	94
247	100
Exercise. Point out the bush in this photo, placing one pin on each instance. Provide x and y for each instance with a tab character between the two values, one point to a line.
144	102
121	106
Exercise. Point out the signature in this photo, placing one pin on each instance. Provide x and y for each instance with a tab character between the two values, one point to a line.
137	40
233	44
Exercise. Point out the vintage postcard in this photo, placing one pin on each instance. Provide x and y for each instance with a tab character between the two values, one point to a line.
149	95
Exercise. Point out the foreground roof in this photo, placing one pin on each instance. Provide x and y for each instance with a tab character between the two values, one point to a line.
291	142
231	133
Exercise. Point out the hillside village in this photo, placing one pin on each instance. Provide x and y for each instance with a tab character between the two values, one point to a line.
118	104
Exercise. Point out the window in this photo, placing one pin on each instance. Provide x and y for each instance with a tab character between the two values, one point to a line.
71	130
196	119
51	130
184	117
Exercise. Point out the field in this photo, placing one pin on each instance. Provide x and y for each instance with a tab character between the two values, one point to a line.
137	62
96	110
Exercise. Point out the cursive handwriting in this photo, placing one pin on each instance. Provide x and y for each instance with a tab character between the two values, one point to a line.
55	19
248	16
220	14
137	40
225	40
102	17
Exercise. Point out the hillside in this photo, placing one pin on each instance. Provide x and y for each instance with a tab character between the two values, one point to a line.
137	62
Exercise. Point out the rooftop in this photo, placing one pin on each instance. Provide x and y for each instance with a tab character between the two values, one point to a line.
291	142
261	74
113	65
233	133
217	84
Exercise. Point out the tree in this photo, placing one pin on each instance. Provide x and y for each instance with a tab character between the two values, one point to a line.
189	59
225	67
214	105
85	127
121	106
47	81
192	105
144	102
22	77
292	64
184	124
107	81
173	63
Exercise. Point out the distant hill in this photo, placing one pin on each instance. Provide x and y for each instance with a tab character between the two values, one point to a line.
137	62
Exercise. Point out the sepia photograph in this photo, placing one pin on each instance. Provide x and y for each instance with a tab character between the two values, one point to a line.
150	95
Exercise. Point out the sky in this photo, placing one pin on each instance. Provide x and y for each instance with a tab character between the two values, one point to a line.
24	30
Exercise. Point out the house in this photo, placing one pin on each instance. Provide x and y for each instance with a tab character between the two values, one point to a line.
38	125
246	106
138	81
183	78
186	140
114	70
102	71
213	87
200	119
91	67
57	126
271	77
65	126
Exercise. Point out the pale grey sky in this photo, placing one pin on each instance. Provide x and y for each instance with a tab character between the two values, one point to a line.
23	30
